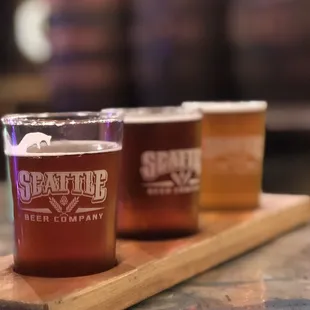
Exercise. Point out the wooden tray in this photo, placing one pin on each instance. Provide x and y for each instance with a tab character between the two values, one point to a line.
147	268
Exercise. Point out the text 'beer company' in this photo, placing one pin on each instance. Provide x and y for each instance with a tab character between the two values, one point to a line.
61	196
56	186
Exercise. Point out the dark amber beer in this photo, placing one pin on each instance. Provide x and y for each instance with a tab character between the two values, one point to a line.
64	195
233	138
160	176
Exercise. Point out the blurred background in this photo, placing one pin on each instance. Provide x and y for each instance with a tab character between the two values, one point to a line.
60	55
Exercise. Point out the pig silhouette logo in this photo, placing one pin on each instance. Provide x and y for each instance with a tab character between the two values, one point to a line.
30	139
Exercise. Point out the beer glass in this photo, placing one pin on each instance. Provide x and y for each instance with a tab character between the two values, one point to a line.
233	138
160	178
64	171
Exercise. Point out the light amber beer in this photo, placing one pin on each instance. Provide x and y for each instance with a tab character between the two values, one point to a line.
64	195
233	138
160	178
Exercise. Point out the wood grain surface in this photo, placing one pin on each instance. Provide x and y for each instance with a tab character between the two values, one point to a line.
147	268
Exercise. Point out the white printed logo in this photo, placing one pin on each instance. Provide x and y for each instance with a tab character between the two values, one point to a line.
63	192
171	172
30	139
238	155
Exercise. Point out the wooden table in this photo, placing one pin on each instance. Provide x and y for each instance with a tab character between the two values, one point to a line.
273	277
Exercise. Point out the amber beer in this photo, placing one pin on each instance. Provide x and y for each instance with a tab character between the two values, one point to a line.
233	137
64	196
160	178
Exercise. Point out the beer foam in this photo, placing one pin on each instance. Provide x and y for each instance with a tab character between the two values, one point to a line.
63	148
226	107
158	115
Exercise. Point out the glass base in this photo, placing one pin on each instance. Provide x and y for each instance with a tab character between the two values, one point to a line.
62	269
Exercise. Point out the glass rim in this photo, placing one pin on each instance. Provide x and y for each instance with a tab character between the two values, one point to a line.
160	114
227	107
61	118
